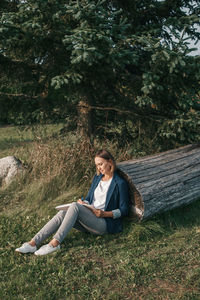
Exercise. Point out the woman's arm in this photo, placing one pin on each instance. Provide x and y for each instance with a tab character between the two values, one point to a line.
123	198
123	204
99	213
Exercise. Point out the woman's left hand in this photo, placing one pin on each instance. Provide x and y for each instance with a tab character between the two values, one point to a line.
98	213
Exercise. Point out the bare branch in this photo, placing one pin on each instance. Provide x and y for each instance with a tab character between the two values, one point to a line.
156	118
18	95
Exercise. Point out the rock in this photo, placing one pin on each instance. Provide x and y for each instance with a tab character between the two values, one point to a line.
10	166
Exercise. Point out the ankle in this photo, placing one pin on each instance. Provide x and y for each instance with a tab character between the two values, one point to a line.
54	243
32	243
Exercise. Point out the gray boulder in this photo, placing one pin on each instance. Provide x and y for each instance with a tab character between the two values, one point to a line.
10	166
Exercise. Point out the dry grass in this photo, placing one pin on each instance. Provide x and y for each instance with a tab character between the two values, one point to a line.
54	165
68	157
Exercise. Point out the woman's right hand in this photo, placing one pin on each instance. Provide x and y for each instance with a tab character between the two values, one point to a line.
80	201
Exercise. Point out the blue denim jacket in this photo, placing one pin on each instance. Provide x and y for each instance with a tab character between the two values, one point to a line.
117	201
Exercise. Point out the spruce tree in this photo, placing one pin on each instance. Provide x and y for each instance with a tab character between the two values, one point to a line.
86	56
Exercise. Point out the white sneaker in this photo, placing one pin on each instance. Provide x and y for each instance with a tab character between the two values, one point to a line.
46	249
26	248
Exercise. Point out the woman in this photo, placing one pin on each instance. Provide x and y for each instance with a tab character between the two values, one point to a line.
109	197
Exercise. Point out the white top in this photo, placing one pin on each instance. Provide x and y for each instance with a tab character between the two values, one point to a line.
100	193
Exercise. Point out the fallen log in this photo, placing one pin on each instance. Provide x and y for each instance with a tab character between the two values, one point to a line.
163	181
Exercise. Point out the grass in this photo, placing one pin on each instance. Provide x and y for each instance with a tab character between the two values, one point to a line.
156	259
18	136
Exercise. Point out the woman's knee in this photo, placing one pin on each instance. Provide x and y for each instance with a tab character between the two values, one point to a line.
61	214
75	206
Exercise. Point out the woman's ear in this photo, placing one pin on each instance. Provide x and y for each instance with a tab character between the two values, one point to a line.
111	163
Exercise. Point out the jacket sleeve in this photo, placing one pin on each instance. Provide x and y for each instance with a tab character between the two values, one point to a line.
123	198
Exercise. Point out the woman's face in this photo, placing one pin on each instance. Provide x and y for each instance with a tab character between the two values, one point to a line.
103	165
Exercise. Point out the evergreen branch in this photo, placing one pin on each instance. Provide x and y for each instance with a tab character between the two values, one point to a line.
5	61
18	95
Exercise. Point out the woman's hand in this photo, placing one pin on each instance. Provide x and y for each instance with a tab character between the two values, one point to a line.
80	201
98	213
102	213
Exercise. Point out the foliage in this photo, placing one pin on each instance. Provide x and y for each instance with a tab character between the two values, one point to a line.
124	62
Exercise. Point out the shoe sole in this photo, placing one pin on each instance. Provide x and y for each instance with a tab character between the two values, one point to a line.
16	251
53	252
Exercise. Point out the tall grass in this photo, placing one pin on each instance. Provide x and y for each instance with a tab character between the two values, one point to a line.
54	165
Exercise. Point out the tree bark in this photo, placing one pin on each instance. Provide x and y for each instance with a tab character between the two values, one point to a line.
84	119
163	181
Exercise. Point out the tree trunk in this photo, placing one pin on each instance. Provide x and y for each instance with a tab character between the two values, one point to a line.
84	119
163	181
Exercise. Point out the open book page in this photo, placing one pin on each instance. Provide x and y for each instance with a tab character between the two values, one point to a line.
89	206
65	206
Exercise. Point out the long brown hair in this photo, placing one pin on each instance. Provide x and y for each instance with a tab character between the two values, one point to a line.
103	153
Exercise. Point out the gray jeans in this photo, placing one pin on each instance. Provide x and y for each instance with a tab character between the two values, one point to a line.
77	216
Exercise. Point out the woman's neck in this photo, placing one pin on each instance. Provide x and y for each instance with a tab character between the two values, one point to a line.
107	177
